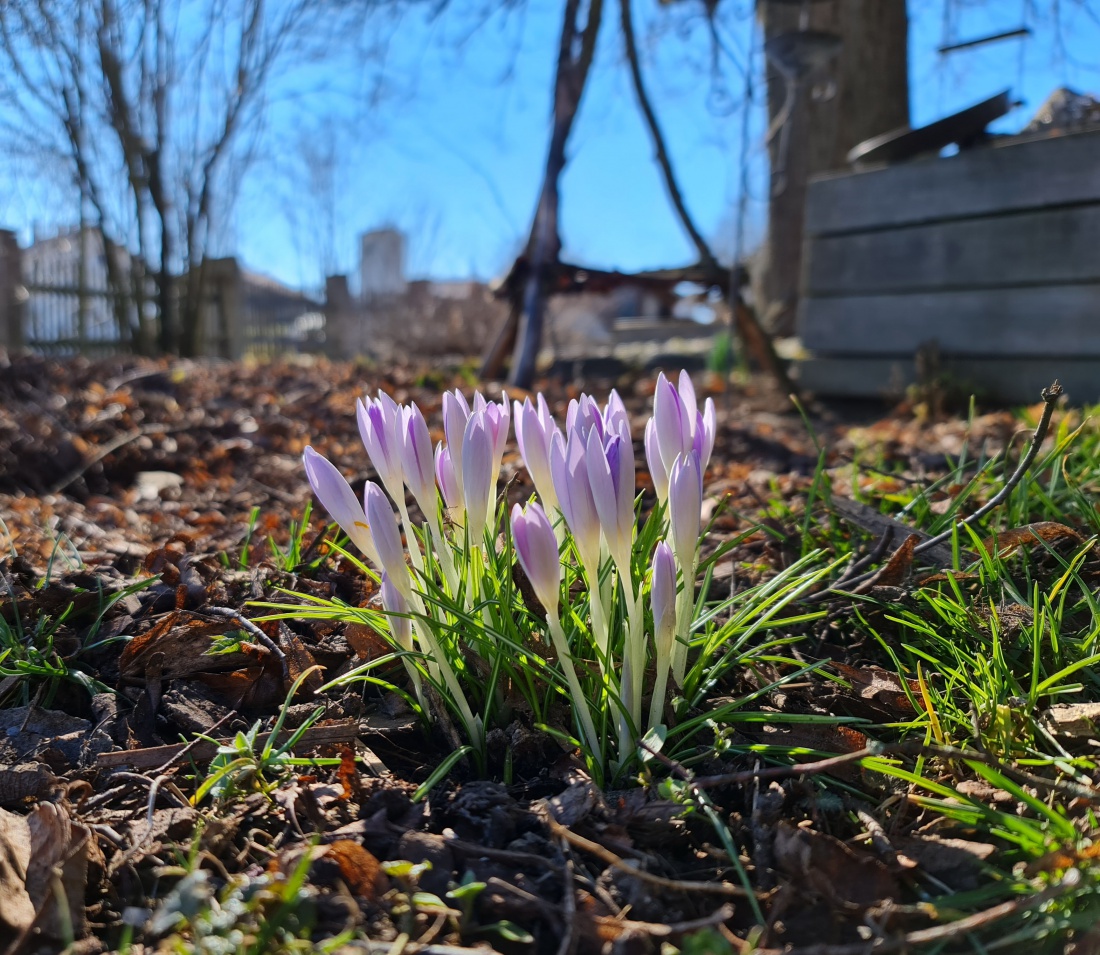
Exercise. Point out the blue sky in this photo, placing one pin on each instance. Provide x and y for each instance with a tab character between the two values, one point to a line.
442	132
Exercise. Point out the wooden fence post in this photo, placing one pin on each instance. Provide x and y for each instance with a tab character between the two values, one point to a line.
12	293
223	281
341	340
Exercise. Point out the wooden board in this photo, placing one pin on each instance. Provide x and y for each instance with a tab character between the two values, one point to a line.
1050	320
1054	246
1019	381
1047	172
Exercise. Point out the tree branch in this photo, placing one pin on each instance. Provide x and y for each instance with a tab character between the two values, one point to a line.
706	257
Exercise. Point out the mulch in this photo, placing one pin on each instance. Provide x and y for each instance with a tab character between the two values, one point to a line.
141	502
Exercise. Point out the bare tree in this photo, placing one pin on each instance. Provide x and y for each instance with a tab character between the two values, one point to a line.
153	109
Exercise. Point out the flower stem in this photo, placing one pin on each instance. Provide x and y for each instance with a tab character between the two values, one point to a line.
580	703
685	603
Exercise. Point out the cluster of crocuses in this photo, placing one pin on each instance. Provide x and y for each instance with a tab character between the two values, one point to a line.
584	478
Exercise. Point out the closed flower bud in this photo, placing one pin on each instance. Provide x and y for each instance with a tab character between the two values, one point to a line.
534	431
685	506
611	477
662	598
657	470
671	421
456	412
387	537
537	550
569	467
478	479
379	427
416	459
337	497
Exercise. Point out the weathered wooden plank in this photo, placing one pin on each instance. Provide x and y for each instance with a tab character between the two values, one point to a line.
1014	380
1050	247
1055	171
1043	320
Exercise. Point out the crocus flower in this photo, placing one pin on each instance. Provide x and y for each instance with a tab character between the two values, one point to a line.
584	415
569	467
456	412
478	479
679	425
535	428
662	597
671	421
537	549
657	470
497	418
615	418
447	478
337	497
686	390
387	537
416	459
379	427
705	429
610	470
685	505
394	603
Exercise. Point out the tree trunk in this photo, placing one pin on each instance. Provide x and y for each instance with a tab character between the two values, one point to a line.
575	52
871	97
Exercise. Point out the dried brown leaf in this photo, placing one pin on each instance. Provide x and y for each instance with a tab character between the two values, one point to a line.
359	869
1049	532
831	869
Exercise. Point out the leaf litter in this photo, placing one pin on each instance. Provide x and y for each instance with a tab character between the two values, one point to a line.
147	504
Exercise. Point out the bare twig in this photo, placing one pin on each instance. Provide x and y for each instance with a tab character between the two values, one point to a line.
345	731
245	624
885	750
957	929
1050	398
108	447
610	858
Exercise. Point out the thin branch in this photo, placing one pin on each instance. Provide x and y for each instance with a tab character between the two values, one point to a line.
958	929
888	750
610	858
1050	398
706	257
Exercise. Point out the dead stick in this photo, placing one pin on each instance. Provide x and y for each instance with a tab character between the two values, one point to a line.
939	933
609	857
884	750
230	614
108	448
345	731
1050	398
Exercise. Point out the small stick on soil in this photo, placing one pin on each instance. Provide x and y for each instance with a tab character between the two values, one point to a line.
609	857
959	928
345	731
909	748
248	626
1050	396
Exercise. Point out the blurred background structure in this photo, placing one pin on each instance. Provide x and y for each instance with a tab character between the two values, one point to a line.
843	182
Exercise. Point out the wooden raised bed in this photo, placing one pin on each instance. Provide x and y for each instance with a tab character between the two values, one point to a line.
993	255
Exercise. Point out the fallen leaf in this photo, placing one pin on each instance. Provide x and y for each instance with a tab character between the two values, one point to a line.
831	869
58	864
359	869
17	912
1048	532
